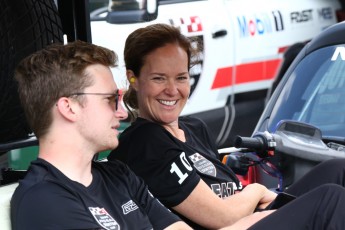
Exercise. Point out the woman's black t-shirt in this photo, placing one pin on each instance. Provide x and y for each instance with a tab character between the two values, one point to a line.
172	168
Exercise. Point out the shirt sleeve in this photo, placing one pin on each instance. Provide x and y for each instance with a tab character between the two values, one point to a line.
49	206
160	217
159	159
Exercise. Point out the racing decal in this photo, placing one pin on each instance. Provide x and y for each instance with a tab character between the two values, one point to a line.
203	165
256	25
104	219
260	24
265	70
334	80
325	13
193	24
189	24
278	20
301	16
282	49
129	207
197	66
339	53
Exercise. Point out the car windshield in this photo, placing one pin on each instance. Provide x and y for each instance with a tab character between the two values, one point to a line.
315	93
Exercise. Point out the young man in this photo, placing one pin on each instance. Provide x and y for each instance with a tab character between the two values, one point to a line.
74	108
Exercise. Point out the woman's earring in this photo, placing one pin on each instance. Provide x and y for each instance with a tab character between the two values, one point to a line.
132	80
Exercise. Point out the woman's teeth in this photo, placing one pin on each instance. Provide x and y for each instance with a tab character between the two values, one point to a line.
167	102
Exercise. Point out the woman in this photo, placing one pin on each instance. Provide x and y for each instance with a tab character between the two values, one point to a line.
178	158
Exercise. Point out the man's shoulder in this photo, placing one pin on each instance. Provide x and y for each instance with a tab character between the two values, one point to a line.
35	175
39	193
28	188
41	179
36	182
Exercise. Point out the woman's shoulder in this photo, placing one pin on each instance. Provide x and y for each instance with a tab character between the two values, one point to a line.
140	135
143	125
115	166
142	129
192	122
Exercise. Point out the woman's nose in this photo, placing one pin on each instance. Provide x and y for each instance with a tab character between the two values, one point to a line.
171	87
121	113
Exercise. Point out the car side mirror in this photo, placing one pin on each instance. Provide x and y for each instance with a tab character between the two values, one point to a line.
131	11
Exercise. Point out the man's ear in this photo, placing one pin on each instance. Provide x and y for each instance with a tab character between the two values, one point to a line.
67	108
132	79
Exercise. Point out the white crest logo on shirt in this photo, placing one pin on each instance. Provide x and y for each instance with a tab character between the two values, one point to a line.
203	165
104	219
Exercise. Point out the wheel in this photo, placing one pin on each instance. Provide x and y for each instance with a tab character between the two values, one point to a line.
25	27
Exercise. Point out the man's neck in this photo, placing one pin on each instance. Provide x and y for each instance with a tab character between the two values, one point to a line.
71	160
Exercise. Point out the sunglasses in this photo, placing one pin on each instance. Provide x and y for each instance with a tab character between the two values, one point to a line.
112	97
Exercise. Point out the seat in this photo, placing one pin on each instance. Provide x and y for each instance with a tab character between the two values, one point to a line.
6	192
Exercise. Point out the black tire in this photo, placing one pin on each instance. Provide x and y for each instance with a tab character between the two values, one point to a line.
25	27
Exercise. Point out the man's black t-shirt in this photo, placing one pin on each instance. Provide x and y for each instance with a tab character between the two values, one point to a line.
172	168
116	199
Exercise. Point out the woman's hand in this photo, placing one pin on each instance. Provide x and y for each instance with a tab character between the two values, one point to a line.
266	195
